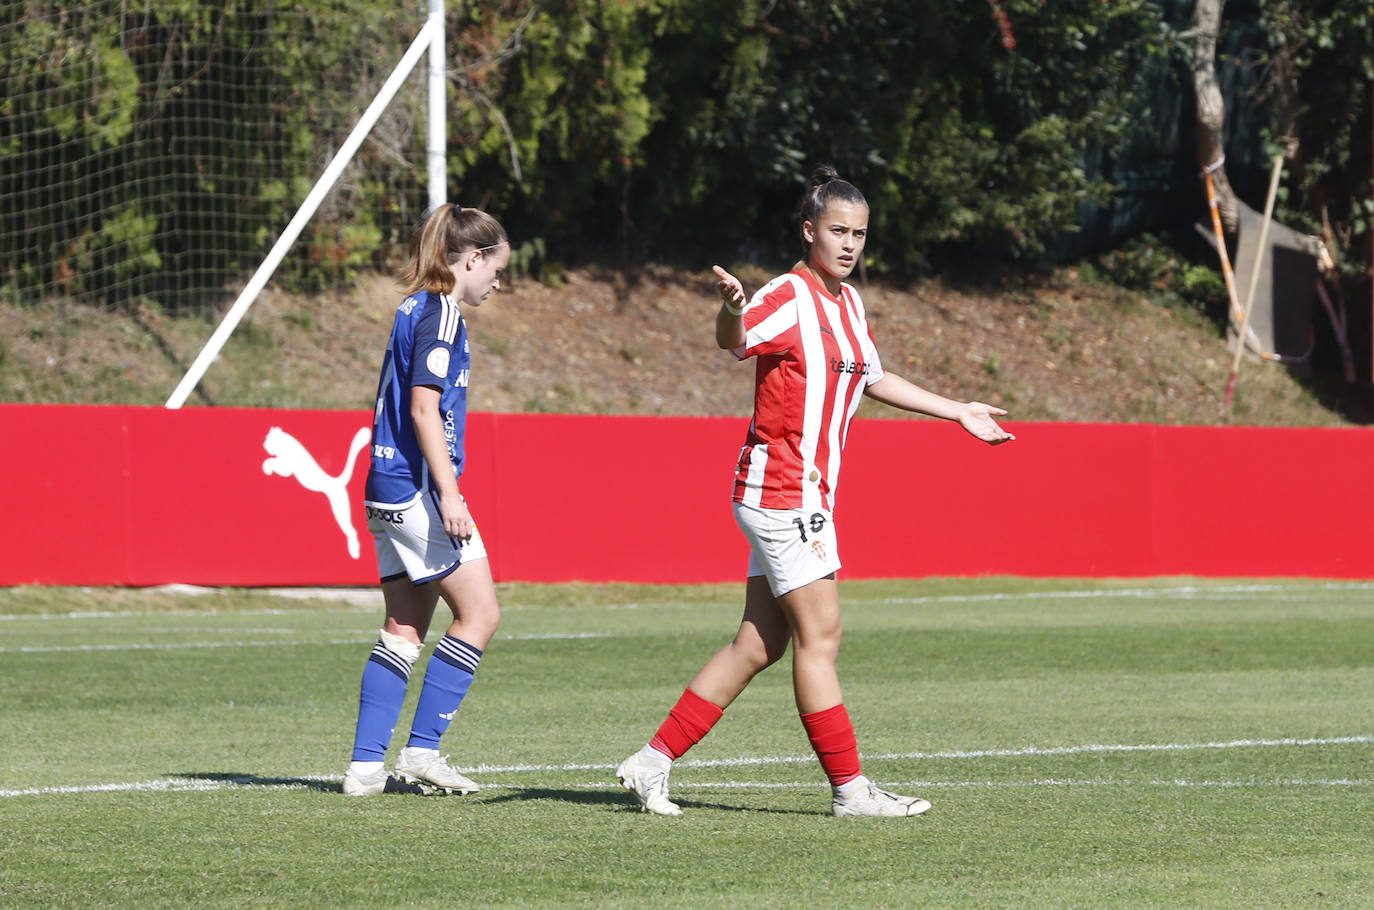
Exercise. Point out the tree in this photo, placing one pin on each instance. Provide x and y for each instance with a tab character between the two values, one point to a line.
1318	79
1211	108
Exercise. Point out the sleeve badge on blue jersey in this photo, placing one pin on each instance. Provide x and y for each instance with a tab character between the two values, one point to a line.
437	361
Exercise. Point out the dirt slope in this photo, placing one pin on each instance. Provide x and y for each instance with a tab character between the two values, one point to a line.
1046	348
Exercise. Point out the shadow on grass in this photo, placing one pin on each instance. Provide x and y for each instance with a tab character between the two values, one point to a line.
608	797
581	797
623	800
167	351
310	783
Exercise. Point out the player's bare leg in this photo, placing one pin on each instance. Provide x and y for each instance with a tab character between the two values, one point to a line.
813	611
761	640
813	615
409	608
471	597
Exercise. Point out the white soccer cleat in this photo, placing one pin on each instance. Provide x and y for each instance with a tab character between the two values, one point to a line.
645	774
365	779
430	771
862	797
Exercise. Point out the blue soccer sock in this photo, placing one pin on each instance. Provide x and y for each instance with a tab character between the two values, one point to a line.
448	675
384	689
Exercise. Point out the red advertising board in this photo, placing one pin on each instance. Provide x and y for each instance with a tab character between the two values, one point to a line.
143	496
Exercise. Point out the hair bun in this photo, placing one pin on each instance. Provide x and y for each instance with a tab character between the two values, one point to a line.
823	175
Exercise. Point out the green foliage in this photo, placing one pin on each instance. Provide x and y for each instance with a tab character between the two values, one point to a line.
1319	74
639	128
173	141
124	244
558	161
529	259
1150	265
654	127
1203	285
75	76
67	112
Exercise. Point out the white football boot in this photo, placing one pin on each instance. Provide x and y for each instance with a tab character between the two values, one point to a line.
365	778
645	774
430	771
862	797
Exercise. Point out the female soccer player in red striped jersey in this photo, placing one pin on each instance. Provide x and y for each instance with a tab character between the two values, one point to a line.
815	358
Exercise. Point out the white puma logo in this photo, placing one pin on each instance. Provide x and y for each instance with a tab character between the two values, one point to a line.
290	459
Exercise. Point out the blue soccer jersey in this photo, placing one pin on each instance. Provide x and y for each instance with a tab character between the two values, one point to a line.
428	347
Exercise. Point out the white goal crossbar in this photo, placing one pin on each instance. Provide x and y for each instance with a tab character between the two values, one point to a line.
431	38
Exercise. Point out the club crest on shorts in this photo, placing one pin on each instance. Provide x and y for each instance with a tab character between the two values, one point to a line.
818	548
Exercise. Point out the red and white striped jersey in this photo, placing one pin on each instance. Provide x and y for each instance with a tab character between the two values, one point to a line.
815	357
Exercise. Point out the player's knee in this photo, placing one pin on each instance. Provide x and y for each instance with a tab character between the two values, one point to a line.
404	648
756	655
489	617
820	644
774	652
479	619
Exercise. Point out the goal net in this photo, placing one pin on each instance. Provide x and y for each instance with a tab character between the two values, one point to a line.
151	152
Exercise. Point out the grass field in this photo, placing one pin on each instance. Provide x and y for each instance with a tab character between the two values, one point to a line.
1171	743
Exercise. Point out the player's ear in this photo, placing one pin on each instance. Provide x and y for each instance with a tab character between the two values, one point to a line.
808	232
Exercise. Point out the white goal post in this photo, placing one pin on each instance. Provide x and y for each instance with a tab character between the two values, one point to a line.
430	38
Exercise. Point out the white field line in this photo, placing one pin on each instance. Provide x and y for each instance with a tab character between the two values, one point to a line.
193	645
168	785
170	614
1177	592
165	785
247	781
368	601
1011	784
1181	592
752	761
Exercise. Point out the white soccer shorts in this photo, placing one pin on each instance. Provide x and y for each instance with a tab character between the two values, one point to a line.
411	541
793	547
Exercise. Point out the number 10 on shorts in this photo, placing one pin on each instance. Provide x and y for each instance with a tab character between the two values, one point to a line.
817	524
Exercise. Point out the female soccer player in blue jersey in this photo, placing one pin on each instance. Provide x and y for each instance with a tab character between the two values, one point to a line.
428	546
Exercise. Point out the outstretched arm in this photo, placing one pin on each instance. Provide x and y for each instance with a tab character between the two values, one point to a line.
974	416
729	322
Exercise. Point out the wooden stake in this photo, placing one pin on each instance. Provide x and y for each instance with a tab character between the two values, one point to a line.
1254	276
1231	296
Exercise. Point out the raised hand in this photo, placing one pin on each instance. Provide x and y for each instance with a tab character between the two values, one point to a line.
977	418
730	288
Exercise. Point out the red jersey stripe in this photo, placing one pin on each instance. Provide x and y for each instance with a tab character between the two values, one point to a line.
815	355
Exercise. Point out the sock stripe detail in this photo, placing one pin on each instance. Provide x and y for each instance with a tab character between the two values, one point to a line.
458	653
390	660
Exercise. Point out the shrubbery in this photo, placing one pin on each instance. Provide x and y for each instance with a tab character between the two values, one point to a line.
616	131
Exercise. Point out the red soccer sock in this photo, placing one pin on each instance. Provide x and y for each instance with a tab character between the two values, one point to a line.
832	736
688	721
